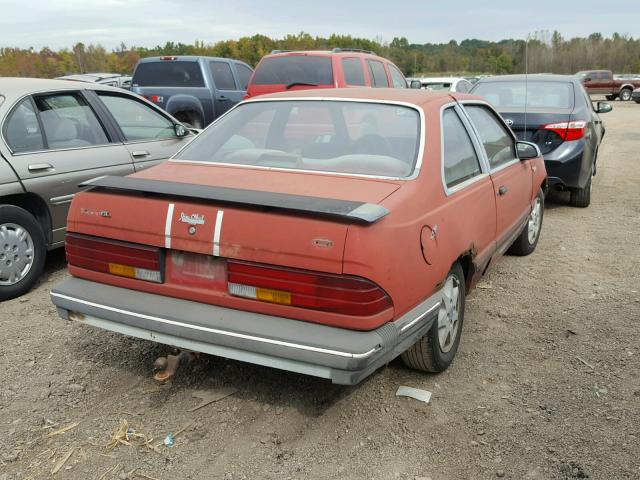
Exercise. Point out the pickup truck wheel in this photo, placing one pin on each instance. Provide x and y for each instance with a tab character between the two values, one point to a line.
581	197
22	251
625	94
435	351
527	241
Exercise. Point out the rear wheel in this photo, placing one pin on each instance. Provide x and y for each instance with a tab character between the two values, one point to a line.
22	251
527	241
581	197
434	352
625	94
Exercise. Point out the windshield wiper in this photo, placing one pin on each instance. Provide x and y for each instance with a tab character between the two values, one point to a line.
295	84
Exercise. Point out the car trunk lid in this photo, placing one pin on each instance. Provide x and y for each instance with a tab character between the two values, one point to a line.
531	126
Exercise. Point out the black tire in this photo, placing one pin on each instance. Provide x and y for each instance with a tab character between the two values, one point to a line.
581	197
426	354
625	94
523	245
10	214
610	97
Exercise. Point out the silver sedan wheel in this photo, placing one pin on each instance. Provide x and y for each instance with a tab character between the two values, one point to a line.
16	253
449	314
535	220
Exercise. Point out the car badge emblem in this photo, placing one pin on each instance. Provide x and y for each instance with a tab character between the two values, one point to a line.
193	219
322	242
97	213
509	122
192	230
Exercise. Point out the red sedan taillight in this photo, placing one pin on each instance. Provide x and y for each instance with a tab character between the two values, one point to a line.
568	130
112	256
314	290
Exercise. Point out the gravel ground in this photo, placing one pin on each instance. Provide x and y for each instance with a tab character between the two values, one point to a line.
546	384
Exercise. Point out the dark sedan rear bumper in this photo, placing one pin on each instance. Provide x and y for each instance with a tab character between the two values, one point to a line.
343	356
569	165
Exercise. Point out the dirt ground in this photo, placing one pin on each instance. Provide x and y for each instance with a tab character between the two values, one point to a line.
546	384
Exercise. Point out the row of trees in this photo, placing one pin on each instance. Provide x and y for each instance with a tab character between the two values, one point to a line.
540	52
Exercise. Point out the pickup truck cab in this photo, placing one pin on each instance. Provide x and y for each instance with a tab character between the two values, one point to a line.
285	70
195	90
603	82
324	232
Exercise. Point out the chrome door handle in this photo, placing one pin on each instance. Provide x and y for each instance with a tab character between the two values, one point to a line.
37	167
502	190
140	153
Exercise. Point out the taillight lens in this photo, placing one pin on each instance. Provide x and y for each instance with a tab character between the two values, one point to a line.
123	259
568	130
314	290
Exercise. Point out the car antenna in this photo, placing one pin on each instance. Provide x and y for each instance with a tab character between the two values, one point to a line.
526	82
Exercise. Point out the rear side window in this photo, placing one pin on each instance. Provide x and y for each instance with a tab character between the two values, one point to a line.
396	77
222	75
68	122
497	142
377	74
22	130
353	71
137	120
294	69
244	75
459	157
168	73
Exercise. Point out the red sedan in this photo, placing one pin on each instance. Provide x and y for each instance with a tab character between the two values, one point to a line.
323	232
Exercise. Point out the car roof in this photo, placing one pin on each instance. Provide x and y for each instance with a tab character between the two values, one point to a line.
186	58
405	95
15	87
339	52
532	77
438	79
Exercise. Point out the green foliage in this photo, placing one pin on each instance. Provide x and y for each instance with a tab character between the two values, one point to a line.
546	52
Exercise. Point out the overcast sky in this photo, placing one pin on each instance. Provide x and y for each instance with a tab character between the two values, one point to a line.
61	23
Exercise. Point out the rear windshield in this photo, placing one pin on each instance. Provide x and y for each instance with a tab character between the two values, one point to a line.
554	95
330	136
294	69
168	73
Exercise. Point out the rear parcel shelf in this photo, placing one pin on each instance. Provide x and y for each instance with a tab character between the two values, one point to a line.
341	209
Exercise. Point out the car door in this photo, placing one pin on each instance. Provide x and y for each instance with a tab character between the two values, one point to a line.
227	92
471	206
57	141
148	134
512	178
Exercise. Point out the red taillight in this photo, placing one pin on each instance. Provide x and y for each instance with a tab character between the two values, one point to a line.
168	58
112	256
568	130
313	290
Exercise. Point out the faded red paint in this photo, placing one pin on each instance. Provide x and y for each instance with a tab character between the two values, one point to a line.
390	252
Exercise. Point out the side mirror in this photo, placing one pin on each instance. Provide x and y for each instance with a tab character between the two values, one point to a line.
527	150
180	130
415	84
604	107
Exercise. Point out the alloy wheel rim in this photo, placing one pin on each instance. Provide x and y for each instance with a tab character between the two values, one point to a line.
535	219
16	253
449	314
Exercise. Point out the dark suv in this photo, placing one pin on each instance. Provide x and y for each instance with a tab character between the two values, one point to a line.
554	112
195	90
338	68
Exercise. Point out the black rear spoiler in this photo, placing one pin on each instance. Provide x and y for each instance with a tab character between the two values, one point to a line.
342	209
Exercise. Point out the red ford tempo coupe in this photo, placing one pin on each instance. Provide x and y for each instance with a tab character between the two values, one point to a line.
324	232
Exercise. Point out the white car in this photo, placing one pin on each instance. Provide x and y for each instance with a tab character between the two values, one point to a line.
452	84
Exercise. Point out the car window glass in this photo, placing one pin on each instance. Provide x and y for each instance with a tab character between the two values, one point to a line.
222	75
497	141
22	130
460	160
168	73
244	75
396	77
463	86
330	136
290	69
537	94
377	74
69	122
137	120
353	72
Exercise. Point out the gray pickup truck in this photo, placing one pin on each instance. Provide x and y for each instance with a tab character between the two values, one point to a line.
195	90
